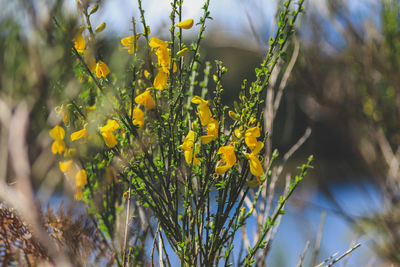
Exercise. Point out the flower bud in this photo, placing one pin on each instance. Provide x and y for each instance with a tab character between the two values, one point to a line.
94	9
182	52
101	27
233	115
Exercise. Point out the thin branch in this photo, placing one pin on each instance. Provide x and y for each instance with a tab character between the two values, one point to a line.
303	254
344	254
154	244
126	227
286	76
338	258
318	240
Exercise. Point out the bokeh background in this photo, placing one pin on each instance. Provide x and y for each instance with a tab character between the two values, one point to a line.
344	85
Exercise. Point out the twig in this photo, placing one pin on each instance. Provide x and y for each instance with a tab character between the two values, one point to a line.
327	260
286	76
24	198
344	254
318	240
271	235
154	244
303	254
252	28
126	227
338	258
288	154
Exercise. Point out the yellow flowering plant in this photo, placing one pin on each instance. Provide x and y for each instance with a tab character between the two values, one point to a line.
152	137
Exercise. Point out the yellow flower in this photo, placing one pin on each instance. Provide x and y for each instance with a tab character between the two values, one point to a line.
101	69
255	165
128	43
109	138
147	74
228	157
187	146
212	132
258	147
251	135
156	43
69	168
111	125
138	116
79	42
187	24
65	165
146	99
163	54
188	157
107	132
58	134
78	134
164	59
78	193
238	132
189	140
81	178
203	109
160	82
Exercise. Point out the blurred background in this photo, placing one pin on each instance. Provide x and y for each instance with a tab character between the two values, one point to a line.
345	85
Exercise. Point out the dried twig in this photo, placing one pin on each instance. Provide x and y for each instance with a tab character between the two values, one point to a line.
318	240
303	254
154	244
338	258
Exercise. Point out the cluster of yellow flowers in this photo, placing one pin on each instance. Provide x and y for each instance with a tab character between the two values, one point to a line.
163	54
207	120
99	67
250	138
69	167
228	158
